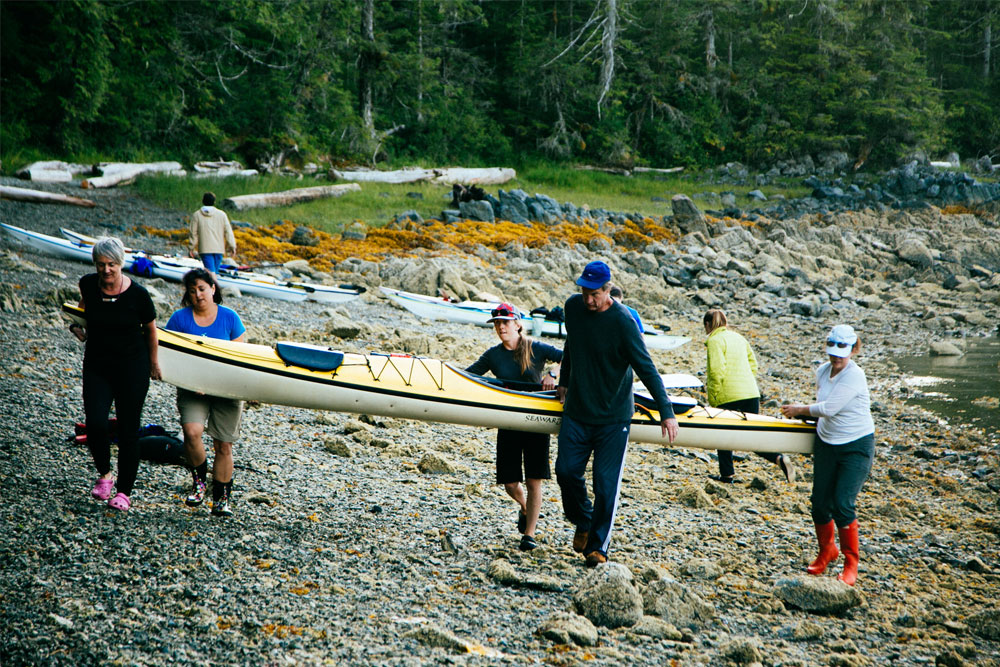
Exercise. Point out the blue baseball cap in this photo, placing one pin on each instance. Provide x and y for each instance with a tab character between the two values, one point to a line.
595	275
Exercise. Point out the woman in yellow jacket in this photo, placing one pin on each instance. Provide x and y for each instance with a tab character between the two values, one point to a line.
731	384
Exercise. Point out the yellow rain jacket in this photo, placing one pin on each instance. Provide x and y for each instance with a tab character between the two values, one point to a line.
731	368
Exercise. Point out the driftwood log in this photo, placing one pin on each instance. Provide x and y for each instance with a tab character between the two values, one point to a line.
444	176
119	173
52	171
220	168
620	171
288	197
39	197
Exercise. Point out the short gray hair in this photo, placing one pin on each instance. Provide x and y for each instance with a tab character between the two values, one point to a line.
110	248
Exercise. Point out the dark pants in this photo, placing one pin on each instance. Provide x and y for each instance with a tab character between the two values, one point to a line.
607	442
126	383
839	472
725	456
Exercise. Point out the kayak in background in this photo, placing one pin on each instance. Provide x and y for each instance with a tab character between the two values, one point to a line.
478	312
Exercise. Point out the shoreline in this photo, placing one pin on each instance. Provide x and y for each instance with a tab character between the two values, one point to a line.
331	557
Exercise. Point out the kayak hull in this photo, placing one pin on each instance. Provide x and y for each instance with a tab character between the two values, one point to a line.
430	390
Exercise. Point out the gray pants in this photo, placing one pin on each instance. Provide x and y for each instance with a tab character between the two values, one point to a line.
839	472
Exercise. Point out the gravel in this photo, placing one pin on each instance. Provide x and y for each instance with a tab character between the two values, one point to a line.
367	560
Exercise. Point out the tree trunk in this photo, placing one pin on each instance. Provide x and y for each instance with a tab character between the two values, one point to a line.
711	59
608	49
987	45
365	66
39	197
288	197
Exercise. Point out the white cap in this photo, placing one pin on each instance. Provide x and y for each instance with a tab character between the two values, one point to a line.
841	340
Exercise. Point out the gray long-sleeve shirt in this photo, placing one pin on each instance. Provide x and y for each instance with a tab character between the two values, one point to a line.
600	348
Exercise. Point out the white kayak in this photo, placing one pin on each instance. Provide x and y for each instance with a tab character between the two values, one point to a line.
314	291
174	268
478	312
401	385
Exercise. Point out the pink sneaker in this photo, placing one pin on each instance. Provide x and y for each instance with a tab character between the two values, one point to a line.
102	489
120	502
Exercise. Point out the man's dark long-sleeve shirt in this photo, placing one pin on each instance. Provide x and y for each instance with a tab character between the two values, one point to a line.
600	348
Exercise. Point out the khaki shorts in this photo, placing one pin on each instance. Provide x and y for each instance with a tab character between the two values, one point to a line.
222	415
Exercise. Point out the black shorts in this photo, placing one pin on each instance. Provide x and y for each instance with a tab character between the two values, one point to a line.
512	446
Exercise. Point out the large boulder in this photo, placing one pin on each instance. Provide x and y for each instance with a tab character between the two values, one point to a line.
608	597
685	210
821	595
480	210
913	251
676	603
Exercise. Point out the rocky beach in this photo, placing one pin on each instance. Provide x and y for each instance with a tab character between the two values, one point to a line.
364	540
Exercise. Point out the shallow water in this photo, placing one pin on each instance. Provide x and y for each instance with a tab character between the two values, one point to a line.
960	389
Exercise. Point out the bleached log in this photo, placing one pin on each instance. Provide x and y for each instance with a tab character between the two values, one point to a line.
288	197
206	166
40	197
669	170
221	173
474	176
51	171
442	175
608	170
120	173
407	175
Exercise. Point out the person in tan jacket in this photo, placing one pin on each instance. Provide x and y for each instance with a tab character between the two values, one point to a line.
211	234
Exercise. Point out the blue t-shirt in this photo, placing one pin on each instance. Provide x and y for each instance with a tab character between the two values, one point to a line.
227	324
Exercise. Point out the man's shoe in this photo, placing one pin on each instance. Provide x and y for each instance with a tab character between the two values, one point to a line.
522	522
222	507
723	480
595	558
580	540
197	495
527	543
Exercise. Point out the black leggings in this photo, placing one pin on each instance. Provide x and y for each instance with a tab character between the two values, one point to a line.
125	382
725	456
839	472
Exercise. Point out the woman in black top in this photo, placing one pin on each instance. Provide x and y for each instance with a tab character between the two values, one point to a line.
118	361
519	358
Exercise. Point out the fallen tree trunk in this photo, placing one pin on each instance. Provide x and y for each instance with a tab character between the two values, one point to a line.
288	197
118	173
445	176
51	171
670	170
39	197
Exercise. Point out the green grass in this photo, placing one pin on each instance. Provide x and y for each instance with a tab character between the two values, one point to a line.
378	203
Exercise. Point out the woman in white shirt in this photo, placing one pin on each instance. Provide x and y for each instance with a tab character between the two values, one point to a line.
843	450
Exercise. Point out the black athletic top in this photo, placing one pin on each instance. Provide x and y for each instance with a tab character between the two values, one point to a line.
114	323
599	349
503	364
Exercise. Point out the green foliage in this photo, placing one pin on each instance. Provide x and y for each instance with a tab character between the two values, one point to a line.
490	82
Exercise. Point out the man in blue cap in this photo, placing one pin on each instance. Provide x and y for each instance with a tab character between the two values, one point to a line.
603	346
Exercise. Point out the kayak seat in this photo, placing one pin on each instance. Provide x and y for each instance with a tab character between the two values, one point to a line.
313	357
680	405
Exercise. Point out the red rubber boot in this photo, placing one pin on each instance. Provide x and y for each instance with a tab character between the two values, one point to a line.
827	547
852	551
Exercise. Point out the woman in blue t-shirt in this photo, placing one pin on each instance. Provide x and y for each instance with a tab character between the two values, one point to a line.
519	358
204	316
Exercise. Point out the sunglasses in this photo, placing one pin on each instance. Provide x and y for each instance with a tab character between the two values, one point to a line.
501	312
831	343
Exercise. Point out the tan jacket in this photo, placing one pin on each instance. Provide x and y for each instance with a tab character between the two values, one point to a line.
211	232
